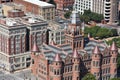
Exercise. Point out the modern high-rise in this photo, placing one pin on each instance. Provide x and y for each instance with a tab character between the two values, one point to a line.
109	8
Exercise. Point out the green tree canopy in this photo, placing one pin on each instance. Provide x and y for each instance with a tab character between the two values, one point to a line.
100	32
67	14
89	76
91	16
52	2
117	40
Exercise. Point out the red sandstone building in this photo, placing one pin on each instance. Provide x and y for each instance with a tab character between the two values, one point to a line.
64	4
66	62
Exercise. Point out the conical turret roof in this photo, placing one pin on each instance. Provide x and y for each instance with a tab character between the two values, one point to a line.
35	48
75	54
96	50
113	47
57	57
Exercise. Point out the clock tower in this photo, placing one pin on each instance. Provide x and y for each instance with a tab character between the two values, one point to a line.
74	32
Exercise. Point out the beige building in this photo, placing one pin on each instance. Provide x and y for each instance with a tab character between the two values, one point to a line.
11	6
46	10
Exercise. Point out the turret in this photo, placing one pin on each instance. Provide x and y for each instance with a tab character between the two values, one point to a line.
57	68
113	60
76	65
34	50
96	62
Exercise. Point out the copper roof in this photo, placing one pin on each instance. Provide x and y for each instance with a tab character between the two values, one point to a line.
57	57
96	50
75	54
113	46
35	48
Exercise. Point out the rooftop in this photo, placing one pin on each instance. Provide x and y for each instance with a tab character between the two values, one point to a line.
39	3
10	23
29	20
91	45
51	50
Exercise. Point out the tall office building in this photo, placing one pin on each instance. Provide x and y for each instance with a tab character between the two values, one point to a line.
109	8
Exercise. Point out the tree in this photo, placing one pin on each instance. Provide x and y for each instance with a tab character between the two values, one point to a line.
100	33
52	2
67	15
89	76
88	16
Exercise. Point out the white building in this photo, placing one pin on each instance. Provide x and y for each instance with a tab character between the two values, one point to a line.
109	8
81	5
